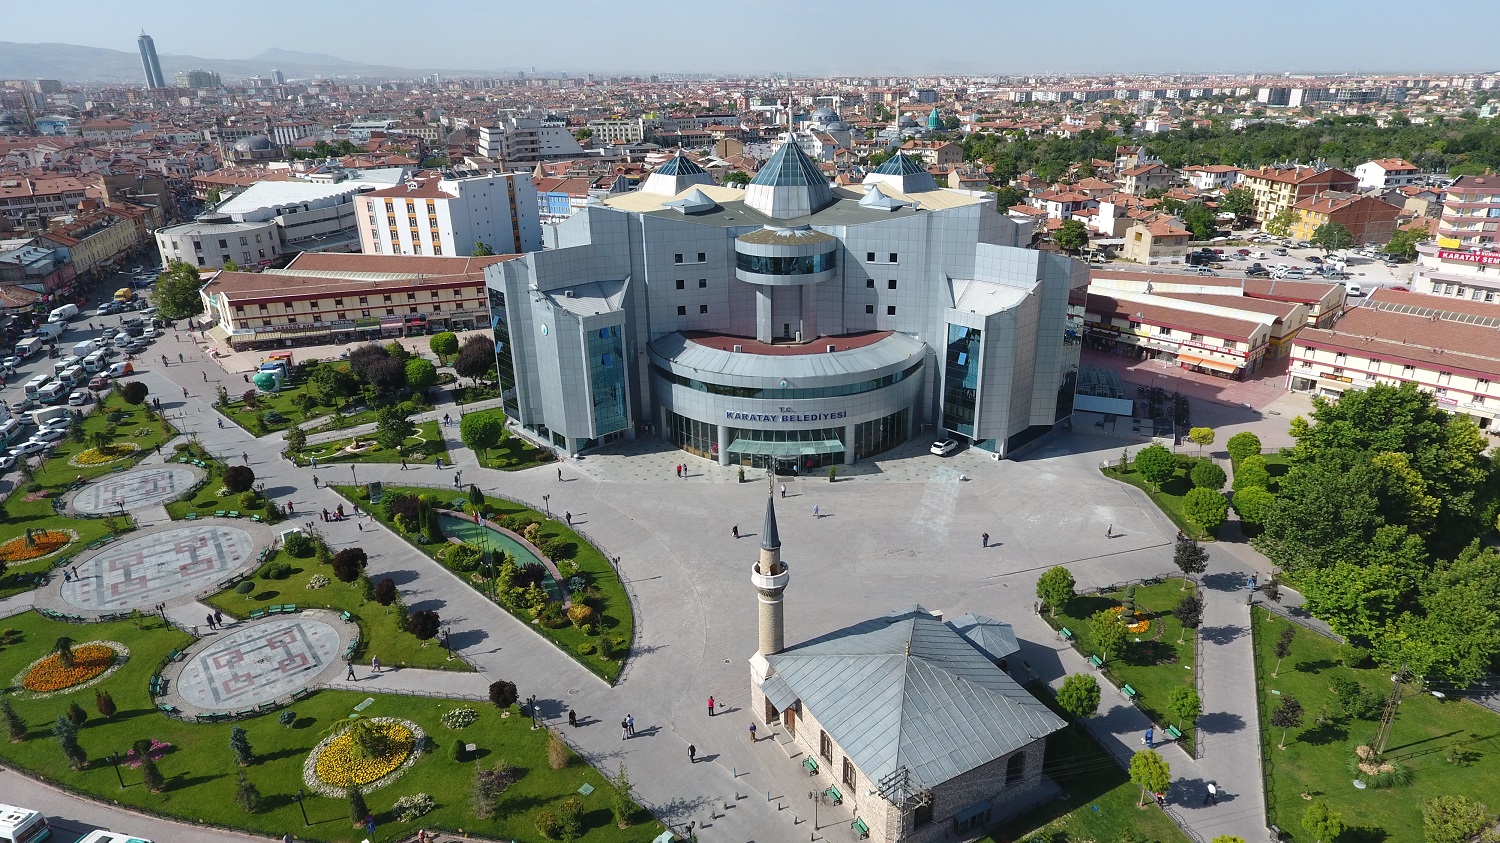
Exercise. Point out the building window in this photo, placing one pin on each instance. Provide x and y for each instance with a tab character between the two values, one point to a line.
825	745
702	257
870	283
1229	343
390	311
702	308
870	309
1195	337
1164	331
702	283
869	257
411	296
364	313
386	299
681	284
264	308
891	284
677	258
893	257
338	302
921	815
364	300
1015	769
265	323
1135	326
890	310
681	310
847	776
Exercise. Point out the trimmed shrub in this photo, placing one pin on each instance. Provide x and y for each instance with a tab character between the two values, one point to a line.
245	587
298	545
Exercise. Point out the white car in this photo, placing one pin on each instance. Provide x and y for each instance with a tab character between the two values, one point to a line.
57	423
7	462
944	447
50	434
79	398
29	447
11	362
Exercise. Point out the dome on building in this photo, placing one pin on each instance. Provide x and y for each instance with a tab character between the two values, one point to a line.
906	121
823	115
674	176
253	143
789	185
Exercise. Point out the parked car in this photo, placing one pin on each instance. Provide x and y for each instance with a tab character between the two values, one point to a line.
944	447
1280	252
1314	259
29	447
11	362
1245	252
1203	270
50	434
1294	274
99	382
1257	271
7	462
79	398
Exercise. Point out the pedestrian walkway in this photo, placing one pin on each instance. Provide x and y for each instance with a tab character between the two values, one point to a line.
450	684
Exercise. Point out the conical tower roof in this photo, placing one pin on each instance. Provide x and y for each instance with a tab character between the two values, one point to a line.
903	174
674	176
770	537
789	185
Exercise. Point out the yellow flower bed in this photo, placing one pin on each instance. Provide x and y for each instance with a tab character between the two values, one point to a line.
89	660
337	765
111	453
1135	623
16	550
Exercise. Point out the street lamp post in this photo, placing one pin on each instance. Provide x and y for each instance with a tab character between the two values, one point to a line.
532	704
352	475
114	761
446	645
547	502
812	796
298	800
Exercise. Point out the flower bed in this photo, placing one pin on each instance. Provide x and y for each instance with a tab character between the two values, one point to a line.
113	453
43	543
1133	621
92	663
332	767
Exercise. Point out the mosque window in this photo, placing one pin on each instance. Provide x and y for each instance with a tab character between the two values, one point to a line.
825	745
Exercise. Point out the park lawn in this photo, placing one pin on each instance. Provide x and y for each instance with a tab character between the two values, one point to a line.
206	500
200	771
470	394
514	453
1315	758
616	616
1153	662
1169	497
18	574
1100	801
379	636
427	445
133	427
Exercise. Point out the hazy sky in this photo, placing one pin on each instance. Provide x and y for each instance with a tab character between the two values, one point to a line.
812	36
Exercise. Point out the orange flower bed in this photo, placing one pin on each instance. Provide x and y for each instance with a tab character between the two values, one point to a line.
89	660
16	550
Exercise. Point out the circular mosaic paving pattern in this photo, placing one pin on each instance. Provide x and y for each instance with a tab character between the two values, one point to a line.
136	489
160	567
258	663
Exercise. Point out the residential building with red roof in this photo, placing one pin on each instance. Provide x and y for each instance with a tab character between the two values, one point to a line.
1386	173
1278	188
1368	219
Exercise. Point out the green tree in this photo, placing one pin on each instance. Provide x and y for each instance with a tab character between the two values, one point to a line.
1201	436
420	374
1184	704
1072	236
1079	695
1323	824
481	431
1189	613
1008	197
358	810
1190	558
1200	220
1332	237
296	439
1252	503
1206	474
1055	588
481	250
1455	819
15	727
1403	244
1228	838
239	742
1252	471
1243	445
63	648
66	732
134	392
1281	224
1150	772
1156	464
176	295
1239	201
1286	716
621	804
736	177
332	381
246	794
444	344
1205	507
393	428
231	266
1283	648
1108	632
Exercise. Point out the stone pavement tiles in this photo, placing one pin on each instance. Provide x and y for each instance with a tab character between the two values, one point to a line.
136	489
258	662
141	571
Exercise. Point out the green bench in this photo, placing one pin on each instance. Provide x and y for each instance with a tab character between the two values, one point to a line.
1067	634
300	693
1129	691
812	766
1174	733
219	513
257	613
861	826
169	709
835	795
191	516
242	715
256	518
234	513
174	655
1096	661
288	608
346	617
158	685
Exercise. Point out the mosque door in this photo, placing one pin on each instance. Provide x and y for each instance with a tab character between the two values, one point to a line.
789	718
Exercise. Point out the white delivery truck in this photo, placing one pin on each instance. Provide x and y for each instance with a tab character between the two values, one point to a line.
29	346
63	314
85	348
49	331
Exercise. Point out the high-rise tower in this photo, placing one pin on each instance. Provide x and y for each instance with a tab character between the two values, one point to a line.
770	579
149	62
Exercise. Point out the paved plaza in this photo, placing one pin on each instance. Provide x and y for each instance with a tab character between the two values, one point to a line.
159	567
135	489
258	662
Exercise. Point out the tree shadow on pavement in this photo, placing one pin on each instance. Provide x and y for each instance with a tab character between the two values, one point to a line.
1221	723
1224	581
1221	635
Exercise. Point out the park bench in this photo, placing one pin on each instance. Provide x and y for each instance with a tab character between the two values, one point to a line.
256	518
169	709
242	715
191	516
300	693
157	685
862	827
346	617
174	655
257	613
1174	733
264	707
288	608
812	766
1129	691
1067	634
234	513
274	610
835	795
218	513
1096	661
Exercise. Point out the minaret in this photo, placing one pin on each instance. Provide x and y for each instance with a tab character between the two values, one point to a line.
770	579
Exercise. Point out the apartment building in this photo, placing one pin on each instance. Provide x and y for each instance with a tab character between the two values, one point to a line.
1279	188
1146	177
610	131
1370	220
1200	336
1386	173
1161	239
437	215
1472	274
520	140
96	239
1471	213
213	240
1446	347
23	196
1212	177
323	297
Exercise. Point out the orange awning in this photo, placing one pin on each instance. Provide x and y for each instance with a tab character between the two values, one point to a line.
1216	365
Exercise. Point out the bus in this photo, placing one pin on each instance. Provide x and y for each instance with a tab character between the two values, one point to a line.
22	825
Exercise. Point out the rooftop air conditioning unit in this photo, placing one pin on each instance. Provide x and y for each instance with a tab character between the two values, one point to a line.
832	349
567	294
738	349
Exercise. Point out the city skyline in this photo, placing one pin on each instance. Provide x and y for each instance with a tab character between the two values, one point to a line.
1281	37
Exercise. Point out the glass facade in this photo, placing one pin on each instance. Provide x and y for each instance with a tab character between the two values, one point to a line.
792	451
783	266
874	437
504	362
696	437
961	379
788	393
607	379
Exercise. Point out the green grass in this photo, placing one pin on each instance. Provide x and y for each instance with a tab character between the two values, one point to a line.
1100	802
425	446
206	500
1155	665
616	615
200	770
1315	759
378	633
1169	497
513	453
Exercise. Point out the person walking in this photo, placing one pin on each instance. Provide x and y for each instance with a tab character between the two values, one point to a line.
245	456
752	733
184	392
350	677
572	718
815	511
783	490
1109	531
630	724
315	481
1211	795
710	706
220	423
559	475
1150	738
679	470
624	730
205	377
735	530
403	463
375	663
219	618
568	518
692	754
984	538
210	620
180	358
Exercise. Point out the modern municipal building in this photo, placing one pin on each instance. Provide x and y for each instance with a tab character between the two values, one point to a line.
788	322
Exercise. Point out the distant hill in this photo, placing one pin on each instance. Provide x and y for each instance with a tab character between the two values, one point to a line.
72	63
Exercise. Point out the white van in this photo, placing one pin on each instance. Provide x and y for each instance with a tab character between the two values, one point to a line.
103	836
22	825
10	431
65	364
95	363
1354	289
63	314
72	377
53	392
34	386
